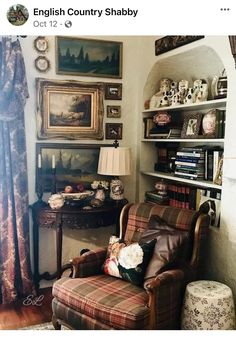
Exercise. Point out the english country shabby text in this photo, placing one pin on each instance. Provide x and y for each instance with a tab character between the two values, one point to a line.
85	12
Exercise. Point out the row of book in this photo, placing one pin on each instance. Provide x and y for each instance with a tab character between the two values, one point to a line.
186	197
198	163
157	198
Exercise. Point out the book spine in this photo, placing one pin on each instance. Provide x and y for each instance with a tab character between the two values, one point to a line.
210	165
183	163
189	154
187	197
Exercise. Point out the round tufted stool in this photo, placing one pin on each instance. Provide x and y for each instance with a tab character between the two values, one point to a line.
208	305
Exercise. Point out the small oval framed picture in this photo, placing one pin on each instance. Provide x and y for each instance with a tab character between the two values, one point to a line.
41	44
113	111
42	64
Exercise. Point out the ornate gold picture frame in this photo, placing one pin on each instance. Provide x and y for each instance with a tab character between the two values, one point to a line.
69	109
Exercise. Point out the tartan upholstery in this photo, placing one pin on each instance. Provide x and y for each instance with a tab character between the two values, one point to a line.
104	302
92	262
169	301
112	301
139	215
77	321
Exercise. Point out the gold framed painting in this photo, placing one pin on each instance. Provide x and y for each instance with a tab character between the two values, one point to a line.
69	109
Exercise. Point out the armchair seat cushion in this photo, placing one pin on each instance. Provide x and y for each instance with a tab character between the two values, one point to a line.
112	301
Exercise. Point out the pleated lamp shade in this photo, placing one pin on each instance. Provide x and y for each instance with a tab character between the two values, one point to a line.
114	161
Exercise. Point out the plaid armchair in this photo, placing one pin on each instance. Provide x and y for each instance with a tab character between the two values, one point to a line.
93	300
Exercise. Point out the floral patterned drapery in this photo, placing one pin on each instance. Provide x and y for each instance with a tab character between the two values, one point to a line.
15	273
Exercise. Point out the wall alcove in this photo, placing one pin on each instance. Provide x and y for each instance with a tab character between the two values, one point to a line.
189	63
197	63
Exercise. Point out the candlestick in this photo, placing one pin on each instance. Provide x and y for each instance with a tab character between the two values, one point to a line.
39	161
53	162
54	181
39	187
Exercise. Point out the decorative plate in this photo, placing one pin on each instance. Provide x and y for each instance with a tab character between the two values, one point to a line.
42	64
41	44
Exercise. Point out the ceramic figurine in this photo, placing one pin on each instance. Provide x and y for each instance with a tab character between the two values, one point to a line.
165	99
183	89
100	194
155	101
173	91
176	100
56	201
202	94
190	97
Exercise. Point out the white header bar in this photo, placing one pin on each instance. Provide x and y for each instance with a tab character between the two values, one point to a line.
123	17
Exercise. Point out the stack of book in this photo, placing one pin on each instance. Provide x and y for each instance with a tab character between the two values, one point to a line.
159	132
157	198
190	163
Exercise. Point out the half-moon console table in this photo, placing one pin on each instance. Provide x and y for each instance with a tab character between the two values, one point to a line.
71	217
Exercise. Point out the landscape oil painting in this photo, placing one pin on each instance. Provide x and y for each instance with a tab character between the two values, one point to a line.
88	57
69	109
74	164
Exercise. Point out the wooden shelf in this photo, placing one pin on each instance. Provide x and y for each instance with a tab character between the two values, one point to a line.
185	140
169	176
210	104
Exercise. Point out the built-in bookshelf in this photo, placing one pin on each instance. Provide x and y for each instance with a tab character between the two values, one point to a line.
149	174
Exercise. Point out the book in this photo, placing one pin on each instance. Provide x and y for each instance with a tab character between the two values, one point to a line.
187	164
186	175
189	154
148	125
174	133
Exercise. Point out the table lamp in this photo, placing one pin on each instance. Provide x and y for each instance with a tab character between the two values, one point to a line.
115	161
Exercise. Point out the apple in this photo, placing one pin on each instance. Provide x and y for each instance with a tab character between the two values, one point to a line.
80	187
68	189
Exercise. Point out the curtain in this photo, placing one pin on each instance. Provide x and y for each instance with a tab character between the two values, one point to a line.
15	272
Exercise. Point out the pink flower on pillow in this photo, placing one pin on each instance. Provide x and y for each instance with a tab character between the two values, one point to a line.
111	267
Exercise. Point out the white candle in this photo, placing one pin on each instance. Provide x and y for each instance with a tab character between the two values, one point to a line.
53	161
39	161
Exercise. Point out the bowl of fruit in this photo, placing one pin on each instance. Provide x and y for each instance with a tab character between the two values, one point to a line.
76	193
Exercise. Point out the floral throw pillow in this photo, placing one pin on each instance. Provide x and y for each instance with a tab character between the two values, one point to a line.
128	261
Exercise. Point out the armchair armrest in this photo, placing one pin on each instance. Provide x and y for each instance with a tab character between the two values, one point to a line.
89	263
164	278
165	293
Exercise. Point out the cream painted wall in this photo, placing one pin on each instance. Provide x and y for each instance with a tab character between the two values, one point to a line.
75	240
138	59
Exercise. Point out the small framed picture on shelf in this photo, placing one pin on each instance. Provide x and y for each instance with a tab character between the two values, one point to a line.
113	91
191	126
113	111
114	131
209	124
